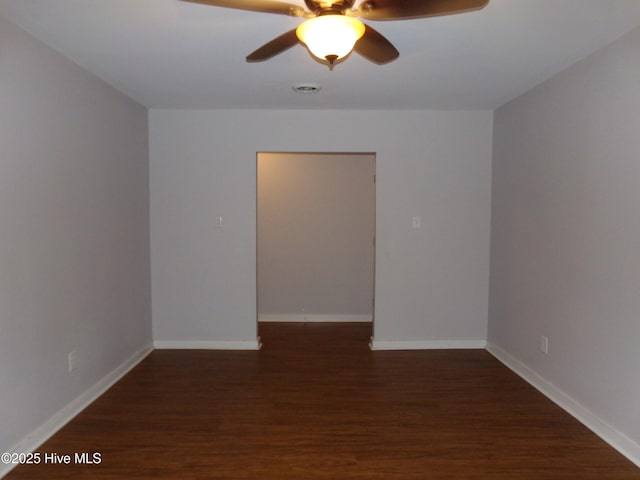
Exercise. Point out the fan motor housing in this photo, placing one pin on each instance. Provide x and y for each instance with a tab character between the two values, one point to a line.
337	7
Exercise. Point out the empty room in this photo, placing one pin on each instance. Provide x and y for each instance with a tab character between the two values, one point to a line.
236	246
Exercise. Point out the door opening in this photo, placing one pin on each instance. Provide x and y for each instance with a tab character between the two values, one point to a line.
315	237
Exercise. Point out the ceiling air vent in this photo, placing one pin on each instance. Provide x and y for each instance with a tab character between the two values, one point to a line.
306	88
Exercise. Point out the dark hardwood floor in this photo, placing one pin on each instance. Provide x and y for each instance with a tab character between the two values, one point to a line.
316	403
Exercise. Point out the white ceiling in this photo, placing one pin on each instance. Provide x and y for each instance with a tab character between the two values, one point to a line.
172	54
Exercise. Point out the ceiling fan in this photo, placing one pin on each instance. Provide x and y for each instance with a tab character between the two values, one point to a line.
331	30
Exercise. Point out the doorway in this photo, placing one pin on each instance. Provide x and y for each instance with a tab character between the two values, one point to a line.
315	237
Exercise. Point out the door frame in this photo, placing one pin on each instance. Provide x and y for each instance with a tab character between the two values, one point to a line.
375	198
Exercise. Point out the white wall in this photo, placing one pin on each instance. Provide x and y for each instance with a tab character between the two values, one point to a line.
74	237
431	284
316	224
566	236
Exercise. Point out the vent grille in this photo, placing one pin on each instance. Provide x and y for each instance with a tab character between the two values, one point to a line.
306	88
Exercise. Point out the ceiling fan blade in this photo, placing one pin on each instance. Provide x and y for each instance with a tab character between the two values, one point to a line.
265	6
402	9
376	48
274	47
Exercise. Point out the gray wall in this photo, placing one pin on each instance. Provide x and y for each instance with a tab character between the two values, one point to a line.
565	259
316	223
431	283
74	236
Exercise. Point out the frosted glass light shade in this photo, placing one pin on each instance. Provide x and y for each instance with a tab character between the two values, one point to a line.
330	37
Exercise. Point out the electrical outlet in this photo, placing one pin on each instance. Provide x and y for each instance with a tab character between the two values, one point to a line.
544	344
73	360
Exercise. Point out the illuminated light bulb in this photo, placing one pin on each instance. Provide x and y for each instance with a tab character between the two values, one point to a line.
330	37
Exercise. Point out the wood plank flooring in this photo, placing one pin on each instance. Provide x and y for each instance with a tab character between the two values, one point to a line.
316	403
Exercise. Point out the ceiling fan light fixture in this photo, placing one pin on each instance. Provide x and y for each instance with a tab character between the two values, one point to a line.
330	37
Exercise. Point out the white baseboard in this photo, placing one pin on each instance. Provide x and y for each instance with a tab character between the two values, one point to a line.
313	318
426	344
618	440
208	344
45	431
